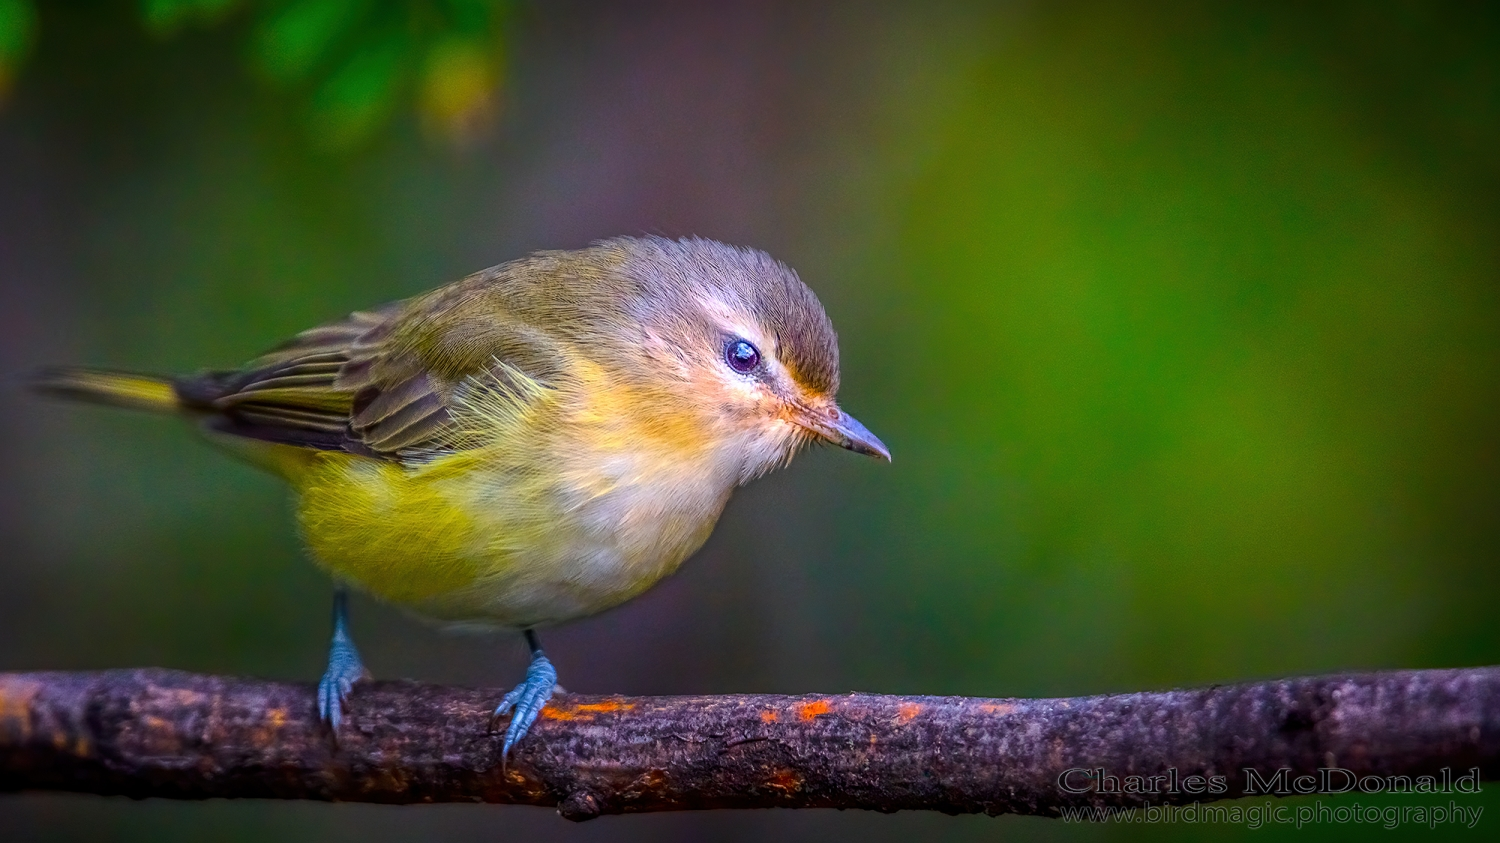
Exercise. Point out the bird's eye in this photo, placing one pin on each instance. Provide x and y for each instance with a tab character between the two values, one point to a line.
741	356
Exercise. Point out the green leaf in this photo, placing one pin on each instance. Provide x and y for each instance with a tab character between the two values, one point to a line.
472	15
361	95
17	25
290	43
164	17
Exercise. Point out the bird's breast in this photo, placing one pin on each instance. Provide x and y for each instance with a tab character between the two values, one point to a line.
510	538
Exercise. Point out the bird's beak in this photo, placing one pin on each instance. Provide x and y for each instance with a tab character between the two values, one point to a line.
841	429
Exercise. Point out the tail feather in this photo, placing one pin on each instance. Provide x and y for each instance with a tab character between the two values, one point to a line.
116	389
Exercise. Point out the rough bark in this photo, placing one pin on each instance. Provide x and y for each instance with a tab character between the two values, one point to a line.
161	733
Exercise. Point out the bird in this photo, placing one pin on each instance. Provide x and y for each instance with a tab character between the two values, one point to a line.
534	443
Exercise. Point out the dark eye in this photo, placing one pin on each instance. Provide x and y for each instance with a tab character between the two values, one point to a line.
741	356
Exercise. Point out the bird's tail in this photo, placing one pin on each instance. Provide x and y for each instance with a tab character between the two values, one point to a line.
116	389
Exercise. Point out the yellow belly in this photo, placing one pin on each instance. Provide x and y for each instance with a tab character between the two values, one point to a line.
461	540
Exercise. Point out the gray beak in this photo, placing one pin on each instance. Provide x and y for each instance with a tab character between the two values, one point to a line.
846	432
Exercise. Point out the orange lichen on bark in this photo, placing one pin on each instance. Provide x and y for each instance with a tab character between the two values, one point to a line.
785	780
15	705
997	708
583	711
159	734
809	710
651	781
906	712
275	718
187	698
768	716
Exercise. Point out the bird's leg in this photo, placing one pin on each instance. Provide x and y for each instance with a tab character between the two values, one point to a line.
344	666
528	697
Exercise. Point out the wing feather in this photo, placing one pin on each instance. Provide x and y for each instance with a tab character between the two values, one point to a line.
365	384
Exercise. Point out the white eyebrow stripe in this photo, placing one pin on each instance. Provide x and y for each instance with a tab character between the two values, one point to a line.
731	319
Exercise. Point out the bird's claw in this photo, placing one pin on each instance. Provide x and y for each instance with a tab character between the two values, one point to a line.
525	702
344	669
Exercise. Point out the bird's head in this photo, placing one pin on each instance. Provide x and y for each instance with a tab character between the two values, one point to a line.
734	338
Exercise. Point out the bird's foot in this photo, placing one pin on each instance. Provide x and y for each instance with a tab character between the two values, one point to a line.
344	669
526	700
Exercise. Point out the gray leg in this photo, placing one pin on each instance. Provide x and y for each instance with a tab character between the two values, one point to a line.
528	697
344	666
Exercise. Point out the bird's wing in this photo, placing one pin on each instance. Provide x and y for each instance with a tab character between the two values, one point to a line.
382	383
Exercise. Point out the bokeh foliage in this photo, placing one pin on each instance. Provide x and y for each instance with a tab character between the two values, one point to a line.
17	24
1213	333
355	61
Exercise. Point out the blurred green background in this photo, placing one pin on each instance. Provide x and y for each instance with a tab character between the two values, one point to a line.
1181	320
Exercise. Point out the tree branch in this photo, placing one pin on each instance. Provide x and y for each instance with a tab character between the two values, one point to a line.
185	736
